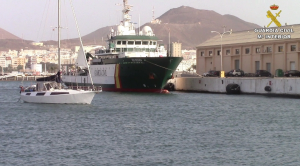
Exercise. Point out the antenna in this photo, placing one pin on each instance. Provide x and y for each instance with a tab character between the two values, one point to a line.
153	13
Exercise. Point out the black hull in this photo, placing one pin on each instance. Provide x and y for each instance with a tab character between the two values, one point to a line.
133	74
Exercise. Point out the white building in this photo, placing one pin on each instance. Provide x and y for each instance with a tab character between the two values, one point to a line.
36	68
3	61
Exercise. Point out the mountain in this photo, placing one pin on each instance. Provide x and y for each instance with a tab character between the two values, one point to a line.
7	35
191	26
186	25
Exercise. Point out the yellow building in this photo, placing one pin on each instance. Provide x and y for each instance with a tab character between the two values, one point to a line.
247	50
176	49
16	61
37	43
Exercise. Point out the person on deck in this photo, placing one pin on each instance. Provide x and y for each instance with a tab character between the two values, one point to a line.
58	79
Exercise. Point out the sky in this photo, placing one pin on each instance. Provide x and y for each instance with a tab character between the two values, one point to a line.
36	19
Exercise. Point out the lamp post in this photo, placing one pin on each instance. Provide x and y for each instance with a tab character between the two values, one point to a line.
169	44
221	35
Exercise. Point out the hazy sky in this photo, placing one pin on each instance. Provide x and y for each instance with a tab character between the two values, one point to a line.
35	19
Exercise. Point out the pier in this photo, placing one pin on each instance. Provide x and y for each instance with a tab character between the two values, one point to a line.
19	78
277	86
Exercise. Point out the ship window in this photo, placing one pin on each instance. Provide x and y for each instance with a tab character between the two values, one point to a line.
119	42
145	42
130	42
138	42
154	43
130	49
150	43
137	49
123	42
117	49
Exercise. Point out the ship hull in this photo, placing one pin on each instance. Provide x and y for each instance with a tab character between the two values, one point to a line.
128	74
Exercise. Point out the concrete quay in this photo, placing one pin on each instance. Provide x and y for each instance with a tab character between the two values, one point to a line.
280	86
19	78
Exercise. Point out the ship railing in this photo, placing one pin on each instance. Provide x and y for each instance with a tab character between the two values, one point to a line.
86	88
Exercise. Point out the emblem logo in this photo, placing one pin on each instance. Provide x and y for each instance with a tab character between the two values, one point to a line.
272	17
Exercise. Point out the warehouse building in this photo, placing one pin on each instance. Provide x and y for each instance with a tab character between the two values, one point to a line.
256	49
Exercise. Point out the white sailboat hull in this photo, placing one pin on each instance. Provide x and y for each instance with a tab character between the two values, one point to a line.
59	96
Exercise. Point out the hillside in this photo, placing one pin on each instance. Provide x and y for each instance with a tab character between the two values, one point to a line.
6	35
191	26
187	25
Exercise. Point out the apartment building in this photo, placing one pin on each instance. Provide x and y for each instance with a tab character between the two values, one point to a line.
176	49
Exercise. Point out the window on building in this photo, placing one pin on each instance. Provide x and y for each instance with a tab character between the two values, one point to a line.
119	42
202	53
280	48
154	43
123	42
227	52
257	50
145	42
210	53
247	50
293	47
138	42
219	52
237	51
269	49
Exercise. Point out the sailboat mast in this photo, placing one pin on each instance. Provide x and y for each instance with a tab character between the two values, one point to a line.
58	28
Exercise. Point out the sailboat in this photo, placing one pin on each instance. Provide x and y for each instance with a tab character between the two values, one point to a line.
49	90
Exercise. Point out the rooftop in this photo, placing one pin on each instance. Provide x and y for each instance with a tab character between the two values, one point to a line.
250	36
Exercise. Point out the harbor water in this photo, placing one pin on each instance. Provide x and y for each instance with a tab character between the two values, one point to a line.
150	129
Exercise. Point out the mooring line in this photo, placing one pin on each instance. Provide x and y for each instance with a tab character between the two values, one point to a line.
168	68
160	66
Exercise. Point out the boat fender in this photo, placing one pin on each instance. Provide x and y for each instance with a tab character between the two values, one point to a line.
268	88
233	89
21	89
164	91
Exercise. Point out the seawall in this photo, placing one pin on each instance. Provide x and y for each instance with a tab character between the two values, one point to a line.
280	86
20	78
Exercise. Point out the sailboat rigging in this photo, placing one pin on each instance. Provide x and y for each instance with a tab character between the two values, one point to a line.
48	89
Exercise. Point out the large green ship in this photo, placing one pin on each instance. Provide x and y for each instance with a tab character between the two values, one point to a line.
133	61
